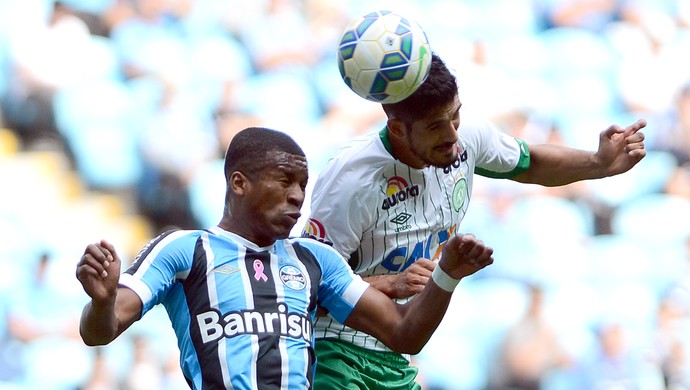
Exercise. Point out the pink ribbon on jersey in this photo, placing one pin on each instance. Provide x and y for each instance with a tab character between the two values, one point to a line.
259	271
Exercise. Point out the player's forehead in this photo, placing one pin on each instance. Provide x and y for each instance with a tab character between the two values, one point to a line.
442	113
282	161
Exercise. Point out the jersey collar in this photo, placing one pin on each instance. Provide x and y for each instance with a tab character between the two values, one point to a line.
383	134
224	233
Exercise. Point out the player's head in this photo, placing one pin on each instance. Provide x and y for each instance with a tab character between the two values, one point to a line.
250	147
423	127
266	175
439	89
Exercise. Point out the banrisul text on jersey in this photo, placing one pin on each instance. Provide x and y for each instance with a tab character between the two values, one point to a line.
213	325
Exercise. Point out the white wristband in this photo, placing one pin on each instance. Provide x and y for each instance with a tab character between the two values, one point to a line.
443	280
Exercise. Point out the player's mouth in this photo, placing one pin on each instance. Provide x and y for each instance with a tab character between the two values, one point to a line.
293	217
447	150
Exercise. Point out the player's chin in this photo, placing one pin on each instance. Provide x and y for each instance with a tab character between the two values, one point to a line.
281	233
442	160
282	230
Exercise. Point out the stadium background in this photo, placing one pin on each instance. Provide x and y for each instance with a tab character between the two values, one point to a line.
115	115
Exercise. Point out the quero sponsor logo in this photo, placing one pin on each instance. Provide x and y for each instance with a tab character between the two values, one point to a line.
398	191
213	326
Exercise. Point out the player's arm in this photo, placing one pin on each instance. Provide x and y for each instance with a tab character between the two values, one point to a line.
554	165
405	284
112	309
407	328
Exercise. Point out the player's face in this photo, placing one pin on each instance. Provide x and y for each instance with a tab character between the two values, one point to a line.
432	139
276	197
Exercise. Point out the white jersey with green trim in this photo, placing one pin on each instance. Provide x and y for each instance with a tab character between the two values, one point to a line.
383	215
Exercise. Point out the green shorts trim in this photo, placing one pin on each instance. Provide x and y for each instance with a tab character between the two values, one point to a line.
341	365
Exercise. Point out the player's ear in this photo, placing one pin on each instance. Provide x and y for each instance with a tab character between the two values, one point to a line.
238	183
396	127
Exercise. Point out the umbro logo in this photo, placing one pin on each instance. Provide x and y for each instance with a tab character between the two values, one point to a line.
226	269
401	218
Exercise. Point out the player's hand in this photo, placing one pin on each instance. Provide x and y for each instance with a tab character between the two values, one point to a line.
98	271
405	284
621	148
463	255
413	279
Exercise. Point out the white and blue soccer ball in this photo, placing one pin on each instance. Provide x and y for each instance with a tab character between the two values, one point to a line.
384	57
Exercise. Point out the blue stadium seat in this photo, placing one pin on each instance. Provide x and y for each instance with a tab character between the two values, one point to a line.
90	6
101	124
655	218
540	238
57	364
648	177
207	193
461	351
584	84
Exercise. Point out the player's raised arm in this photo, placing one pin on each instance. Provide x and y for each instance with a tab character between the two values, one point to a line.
620	149
407	328
112	309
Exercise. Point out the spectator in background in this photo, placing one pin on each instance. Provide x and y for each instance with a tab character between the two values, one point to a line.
146	372
45	55
615	363
43	317
277	18
675	137
146	34
668	345
102	377
591	15
38	312
177	140
530	349
679	182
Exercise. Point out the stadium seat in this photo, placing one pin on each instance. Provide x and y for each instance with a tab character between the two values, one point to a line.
207	193
116	165
90	6
101	123
654	218
39	186
648	177
460	352
300	110
540	238
9	142
57	364
546	217
583	84
573	307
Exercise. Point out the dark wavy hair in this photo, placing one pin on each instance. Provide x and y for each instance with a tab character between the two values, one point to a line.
439	89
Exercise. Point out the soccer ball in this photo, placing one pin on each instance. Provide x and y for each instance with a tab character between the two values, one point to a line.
384	57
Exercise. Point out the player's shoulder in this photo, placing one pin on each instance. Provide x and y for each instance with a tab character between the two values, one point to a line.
362	152
312	244
321	251
476	127
172	238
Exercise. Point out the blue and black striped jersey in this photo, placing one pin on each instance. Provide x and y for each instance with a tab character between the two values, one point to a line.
243	314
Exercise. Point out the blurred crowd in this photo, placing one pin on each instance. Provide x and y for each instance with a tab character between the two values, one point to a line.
115	115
